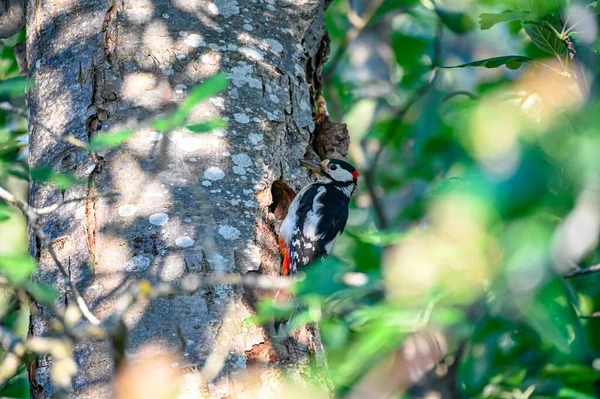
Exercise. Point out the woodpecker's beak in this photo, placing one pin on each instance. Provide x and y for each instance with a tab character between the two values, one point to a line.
315	167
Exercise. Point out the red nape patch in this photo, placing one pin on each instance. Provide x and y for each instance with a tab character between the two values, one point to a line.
355	175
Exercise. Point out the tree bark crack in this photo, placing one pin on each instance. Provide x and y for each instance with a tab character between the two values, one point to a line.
99	110
110	31
90	220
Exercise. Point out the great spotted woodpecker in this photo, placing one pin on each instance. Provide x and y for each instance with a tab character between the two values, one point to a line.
316	217
318	214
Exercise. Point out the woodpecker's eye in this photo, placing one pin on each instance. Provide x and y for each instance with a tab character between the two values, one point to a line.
333	167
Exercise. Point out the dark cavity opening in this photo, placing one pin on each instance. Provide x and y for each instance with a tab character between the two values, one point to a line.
282	198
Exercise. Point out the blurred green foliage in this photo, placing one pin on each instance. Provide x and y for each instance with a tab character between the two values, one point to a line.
15	264
487	178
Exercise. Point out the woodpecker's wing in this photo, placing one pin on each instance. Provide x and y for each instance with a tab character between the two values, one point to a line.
288	226
322	214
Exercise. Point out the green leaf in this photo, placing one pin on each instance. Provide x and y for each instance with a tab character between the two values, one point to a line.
570	393
510	61
408	50
486	20
377	238
321	278
553	318
17	387
211	87
541	8
544	38
335	333
13	86
62	180
447	317
108	140
41	292
17	268
372	346
571	373
459	23
162	125
208	126
268	311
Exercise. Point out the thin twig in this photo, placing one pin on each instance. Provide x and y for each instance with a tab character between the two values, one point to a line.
51	208
590	316
460	93
580	271
32	216
6	106
195	283
75	141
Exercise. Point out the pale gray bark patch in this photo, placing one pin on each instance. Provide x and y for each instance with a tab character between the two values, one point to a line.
99	66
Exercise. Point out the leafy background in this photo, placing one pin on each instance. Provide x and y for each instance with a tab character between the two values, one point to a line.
474	125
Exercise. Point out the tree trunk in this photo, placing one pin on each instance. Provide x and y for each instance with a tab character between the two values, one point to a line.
188	204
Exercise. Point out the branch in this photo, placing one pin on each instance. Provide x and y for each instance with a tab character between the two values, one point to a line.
6	106
143	290
580	271
51	208
31	214
74	141
460	93
590	316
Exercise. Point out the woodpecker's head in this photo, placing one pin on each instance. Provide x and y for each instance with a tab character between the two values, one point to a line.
336	172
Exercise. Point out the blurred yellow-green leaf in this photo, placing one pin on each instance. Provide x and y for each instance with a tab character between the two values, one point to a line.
102	141
17	268
208	126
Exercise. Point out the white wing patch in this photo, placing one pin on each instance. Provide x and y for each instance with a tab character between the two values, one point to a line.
286	231
312	217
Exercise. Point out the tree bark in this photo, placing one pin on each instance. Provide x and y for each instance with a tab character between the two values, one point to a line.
12	17
188	204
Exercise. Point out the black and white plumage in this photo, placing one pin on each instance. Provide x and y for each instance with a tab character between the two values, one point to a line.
318	214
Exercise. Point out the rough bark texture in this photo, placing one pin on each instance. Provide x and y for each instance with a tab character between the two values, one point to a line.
189	203
12	17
